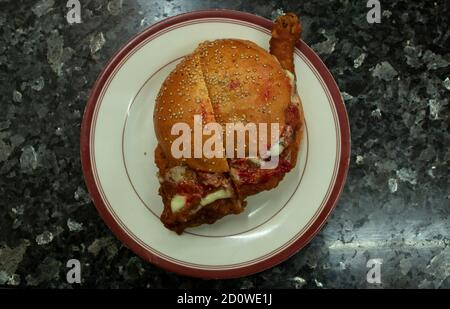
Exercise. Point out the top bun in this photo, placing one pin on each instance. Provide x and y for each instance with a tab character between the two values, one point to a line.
225	81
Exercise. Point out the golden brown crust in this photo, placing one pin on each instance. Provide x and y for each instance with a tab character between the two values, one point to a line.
285	34
293	149
207	215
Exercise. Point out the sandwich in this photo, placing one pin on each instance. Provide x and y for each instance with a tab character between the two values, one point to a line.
223	82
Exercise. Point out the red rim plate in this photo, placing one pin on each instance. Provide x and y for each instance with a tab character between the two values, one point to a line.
207	273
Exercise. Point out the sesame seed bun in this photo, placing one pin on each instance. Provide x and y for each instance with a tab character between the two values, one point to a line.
183	95
225	81
245	82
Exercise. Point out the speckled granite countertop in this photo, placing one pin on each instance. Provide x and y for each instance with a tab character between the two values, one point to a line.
395	79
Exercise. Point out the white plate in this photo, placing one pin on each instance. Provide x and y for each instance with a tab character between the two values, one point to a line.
118	142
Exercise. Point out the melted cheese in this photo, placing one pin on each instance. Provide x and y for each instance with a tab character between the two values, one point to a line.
176	173
291	79
255	160
217	195
295	99
177	203
277	148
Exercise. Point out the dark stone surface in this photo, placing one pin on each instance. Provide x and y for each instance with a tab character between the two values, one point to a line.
395	80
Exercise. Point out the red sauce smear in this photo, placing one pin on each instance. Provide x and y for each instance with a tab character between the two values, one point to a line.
292	115
250	174
234	83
